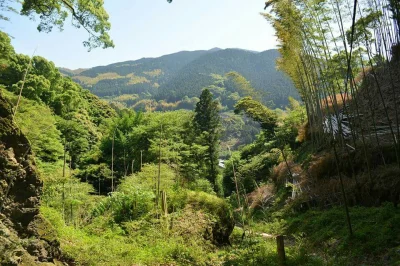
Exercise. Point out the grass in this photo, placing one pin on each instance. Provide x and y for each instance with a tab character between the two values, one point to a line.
114	246
376	238
312	238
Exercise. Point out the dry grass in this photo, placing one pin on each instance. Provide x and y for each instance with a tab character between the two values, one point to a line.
154	73
261	196
133	79
302	134
330	103
280	173
91	81
146	105
320	183
371	100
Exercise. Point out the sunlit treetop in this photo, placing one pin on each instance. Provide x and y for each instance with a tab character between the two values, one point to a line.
89	14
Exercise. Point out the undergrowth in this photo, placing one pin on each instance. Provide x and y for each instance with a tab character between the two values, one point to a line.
375	241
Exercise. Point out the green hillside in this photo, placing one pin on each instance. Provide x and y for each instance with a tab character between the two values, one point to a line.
176	78
258	68
131	77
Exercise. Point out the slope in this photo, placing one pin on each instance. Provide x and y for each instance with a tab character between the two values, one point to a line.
258	68
172	77
129	77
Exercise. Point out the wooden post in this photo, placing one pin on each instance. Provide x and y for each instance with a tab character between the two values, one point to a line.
281	250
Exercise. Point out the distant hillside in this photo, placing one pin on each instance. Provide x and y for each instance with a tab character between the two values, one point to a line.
172	78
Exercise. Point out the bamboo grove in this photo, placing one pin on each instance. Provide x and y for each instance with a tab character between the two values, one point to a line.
343	57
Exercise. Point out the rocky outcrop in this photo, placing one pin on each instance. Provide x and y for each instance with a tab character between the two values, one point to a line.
26	238
215	218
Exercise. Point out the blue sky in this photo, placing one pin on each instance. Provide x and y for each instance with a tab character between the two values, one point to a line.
151	28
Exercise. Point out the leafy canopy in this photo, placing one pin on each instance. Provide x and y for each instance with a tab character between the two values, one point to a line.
258	112
88	14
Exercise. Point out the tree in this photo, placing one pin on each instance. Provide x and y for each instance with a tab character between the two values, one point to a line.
76	137
6	49
258	112
89	15
207	125
244	85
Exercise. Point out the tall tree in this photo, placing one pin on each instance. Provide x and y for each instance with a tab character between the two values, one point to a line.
207	125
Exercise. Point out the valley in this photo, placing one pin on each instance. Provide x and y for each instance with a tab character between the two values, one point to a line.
220	157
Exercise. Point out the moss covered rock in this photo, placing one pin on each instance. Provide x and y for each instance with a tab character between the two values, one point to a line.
213	215
26	238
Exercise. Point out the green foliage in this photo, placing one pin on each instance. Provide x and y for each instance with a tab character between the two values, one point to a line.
122	230
363	27
68	196
125	207
146	179
138	137
256	251
76	137
209	202
135	196
374	229
207	125
54	112
6	49
97	174
244	85
287	131
202	184
89	15
258	112
39	125
254	161
374	234
145	242
172	134
237	131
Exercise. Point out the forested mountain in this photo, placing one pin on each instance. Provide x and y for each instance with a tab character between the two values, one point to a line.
131	77
258	68
172	77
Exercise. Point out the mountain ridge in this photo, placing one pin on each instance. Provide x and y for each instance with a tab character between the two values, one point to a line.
183	74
